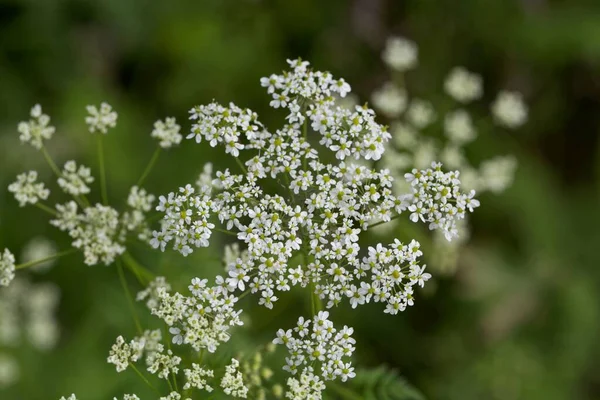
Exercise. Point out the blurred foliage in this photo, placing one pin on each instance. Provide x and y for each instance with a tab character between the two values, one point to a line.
520	318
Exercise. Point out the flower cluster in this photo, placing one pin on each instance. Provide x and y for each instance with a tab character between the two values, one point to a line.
232	382
167	133
100	119
75	181
95	231
317	350
437	199
196	377
28	190
400	54
202	320
135	220
327	208
122	354
509	109
463	86
390	100
152	292
7	267
37	129
99	230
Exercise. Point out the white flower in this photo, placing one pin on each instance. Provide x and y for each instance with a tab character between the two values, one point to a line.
75	181
101	119
322	345
509	109
167	132
152	292
458	127
196	378
96	231
202	320
37	129
120	354
27	190
420	113
389	100
463	86
400	54
232	382
71	397
139	199
497	174
7	267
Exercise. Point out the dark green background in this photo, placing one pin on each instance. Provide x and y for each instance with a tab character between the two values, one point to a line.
520	319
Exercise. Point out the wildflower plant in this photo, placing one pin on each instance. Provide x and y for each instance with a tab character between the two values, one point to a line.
297	200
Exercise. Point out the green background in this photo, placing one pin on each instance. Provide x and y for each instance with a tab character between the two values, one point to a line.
520	317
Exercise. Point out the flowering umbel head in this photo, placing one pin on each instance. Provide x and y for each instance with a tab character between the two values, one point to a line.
306	234
37	129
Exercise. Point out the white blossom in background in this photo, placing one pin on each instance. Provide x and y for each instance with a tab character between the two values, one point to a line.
390	100
509	109
139	199
27	189
100	119
463	86
400	54
7	267
167	133
75	180
453	156
71	397
232	382
498	173
27	316
458	127
41	305
420	113
37	129
36	249
205	178
9	371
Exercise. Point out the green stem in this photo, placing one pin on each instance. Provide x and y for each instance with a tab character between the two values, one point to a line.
51	162
137	371
45	208
42	260
128	258
102	170
129	297
149	167
242	166
226	231
383	222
